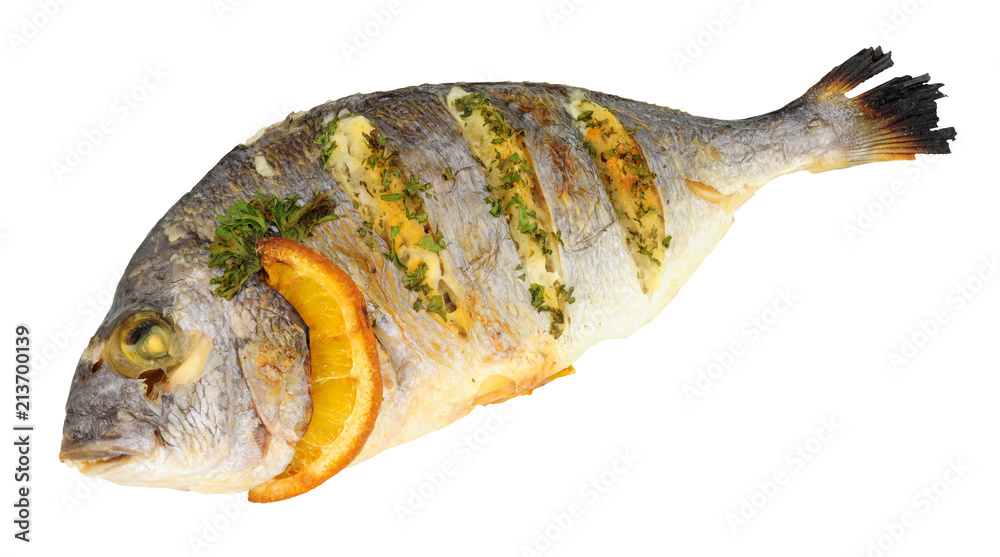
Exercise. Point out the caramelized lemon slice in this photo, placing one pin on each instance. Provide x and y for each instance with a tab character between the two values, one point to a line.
346	383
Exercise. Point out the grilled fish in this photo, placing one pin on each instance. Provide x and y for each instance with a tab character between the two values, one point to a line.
496	230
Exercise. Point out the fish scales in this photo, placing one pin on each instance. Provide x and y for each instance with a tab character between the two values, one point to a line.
670	177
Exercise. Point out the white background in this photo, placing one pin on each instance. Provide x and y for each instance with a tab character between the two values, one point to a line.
229	70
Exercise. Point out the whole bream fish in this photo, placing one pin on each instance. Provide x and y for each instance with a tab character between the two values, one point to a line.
496	230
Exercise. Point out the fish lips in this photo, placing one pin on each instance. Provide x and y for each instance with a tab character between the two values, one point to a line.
98	457
93	458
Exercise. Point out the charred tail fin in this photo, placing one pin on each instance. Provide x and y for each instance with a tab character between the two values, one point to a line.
893	121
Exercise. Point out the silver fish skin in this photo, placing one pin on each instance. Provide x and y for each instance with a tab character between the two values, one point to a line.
234	424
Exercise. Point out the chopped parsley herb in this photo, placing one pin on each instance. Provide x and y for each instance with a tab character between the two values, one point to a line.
559	319
393	256
413	186
414	279
448	174
638	170
587	116
646	251
325	154
366	230
566	293
666	242
436	305
496	206
234	247
324	136
491	117
432	243
526	221
537	296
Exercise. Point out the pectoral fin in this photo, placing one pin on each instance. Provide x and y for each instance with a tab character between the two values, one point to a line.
275	360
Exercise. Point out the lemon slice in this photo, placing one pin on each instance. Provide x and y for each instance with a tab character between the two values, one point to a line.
346	382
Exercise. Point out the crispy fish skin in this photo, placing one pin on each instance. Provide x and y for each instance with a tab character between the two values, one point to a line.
235	426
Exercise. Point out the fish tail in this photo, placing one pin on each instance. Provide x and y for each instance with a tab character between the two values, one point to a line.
893	121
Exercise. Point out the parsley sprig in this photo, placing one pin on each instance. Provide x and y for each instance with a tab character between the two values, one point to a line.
234	247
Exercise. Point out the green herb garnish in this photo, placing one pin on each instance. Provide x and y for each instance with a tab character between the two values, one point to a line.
436	305
234	247
432	243
324	136
537	296
323	139
566	293
491	116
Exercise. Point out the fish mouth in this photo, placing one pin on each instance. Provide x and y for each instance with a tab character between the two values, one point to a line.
91	460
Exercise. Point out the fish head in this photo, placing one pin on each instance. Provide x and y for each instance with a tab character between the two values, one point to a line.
182	389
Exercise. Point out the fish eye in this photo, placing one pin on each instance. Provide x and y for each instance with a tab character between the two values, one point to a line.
145	341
